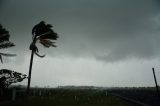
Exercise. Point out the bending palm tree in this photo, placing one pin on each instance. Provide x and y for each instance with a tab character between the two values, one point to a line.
4	42
43	33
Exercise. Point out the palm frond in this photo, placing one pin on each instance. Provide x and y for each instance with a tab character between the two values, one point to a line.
1	59
4	34
35	49
43	33
47	43
4	37
6	44
41	56
51	36
7	54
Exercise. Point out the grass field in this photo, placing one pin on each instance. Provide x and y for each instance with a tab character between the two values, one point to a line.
69	98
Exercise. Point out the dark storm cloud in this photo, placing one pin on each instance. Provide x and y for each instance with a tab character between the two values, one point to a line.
115	30
2	2
109	30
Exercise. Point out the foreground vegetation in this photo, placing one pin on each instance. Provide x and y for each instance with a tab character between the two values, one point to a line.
61	97
147	95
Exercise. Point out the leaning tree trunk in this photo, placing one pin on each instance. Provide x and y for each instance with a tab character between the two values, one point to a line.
31	62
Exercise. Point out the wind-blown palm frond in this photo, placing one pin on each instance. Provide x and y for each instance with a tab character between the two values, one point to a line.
43	33
4	37
47	43
41	56
35	50
50	35
7	54
1	59
4	42
4	34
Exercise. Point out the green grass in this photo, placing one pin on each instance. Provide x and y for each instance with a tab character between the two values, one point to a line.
70	98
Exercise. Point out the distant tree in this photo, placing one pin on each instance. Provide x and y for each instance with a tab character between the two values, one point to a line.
4	42
43	33
7	77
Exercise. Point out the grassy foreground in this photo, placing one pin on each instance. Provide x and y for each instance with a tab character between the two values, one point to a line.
70	98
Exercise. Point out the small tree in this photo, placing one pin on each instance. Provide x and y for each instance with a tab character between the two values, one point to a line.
7	77
43	33
4	42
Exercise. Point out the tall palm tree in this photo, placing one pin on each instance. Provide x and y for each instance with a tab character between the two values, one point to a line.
43	33
4	42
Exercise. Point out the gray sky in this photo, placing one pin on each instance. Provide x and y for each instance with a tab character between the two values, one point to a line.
102	43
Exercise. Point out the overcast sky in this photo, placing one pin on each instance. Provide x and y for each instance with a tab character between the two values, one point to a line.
101	42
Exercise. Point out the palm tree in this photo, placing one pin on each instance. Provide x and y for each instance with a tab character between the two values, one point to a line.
4	42
43	33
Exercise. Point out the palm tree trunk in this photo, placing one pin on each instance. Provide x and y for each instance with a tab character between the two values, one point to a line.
30	67
30	71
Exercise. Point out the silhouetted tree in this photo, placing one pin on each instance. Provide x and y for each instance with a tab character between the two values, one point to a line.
4	42
7	77
43	33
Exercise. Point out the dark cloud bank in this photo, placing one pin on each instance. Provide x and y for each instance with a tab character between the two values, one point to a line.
109	30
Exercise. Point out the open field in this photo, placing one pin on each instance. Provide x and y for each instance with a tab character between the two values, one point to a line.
85	97
60	97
